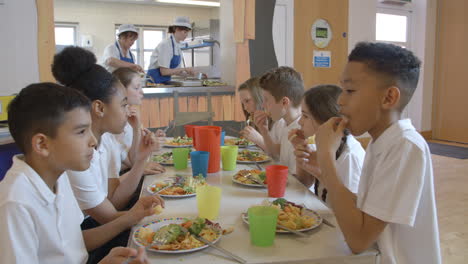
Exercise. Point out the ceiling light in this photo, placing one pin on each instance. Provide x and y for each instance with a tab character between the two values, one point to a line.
188	2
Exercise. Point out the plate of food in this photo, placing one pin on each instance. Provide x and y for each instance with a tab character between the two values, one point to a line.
179	142
179	187
179	235
249	157
240	142
165	158
244	177
292	216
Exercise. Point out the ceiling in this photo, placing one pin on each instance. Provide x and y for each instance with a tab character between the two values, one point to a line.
152	2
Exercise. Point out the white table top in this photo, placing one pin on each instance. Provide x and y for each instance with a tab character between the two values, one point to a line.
324	245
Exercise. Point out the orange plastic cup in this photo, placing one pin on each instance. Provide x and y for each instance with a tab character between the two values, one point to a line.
209	139
190	132
277	177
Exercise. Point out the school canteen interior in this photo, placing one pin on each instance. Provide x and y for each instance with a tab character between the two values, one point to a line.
252	36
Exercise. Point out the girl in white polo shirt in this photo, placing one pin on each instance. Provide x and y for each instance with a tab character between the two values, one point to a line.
130	138
318	105
97	191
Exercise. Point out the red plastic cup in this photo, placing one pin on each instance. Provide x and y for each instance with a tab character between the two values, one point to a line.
277	177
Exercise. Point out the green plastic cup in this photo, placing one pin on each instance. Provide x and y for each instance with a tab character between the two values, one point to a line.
208	201
262	225
229	157
180	156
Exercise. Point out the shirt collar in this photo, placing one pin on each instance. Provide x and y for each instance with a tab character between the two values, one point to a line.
36	180
394	131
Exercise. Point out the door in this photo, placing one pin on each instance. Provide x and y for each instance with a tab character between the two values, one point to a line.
451	73
306	12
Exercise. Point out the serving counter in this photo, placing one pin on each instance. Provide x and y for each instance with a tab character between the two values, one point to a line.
158	103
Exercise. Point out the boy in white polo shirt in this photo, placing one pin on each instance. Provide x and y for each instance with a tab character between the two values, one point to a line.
395	203
282	94
39	214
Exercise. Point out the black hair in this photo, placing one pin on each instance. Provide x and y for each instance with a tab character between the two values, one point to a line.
283	82
172	29
76	67
41	108
322	103
399	66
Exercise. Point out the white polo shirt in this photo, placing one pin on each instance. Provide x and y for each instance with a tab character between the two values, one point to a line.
91	186
124	141
397	187
111	51
39	226
162	54
348	166
287	157
276	129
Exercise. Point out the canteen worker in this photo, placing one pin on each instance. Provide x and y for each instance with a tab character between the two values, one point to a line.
118	54
167	56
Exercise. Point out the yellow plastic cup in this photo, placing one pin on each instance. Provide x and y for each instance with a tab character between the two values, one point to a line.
208	201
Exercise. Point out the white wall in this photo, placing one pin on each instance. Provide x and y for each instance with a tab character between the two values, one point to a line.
228	47
361	24
98	18
18	45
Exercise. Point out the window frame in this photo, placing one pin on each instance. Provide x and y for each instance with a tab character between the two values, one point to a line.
399	12
140	49
74	25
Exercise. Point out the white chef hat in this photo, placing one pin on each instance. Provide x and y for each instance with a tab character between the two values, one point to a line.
182	21
126	28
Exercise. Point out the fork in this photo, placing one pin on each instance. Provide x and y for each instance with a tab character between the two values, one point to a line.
251	177
209	243
170	125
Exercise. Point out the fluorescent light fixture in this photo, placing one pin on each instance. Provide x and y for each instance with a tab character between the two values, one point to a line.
188	2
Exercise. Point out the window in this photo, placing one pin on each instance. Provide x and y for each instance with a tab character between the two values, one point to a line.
392	26
66	34
148	39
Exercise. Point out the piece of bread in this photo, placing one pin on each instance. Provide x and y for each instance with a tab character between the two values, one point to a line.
157	209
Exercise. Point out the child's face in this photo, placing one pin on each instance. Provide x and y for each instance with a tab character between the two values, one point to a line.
247	101
361	99
73	134
275	109
307	122
116	113
134	91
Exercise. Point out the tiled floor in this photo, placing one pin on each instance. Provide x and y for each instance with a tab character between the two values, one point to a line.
451	186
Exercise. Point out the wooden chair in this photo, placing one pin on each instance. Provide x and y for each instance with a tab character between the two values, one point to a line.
183	118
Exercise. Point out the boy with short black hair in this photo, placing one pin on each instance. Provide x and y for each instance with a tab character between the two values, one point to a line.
395	203
282	94
40	215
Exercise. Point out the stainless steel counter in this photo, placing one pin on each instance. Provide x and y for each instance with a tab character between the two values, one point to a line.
183	91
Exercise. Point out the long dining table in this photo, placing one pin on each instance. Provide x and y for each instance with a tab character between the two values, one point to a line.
324	245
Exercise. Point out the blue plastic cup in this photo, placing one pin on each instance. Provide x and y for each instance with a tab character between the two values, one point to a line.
223	133
199	162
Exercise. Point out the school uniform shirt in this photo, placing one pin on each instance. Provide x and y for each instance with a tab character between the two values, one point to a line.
397	187
91	186
287	157
348	166
124	141
111	51
162	54
39	226
275	131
